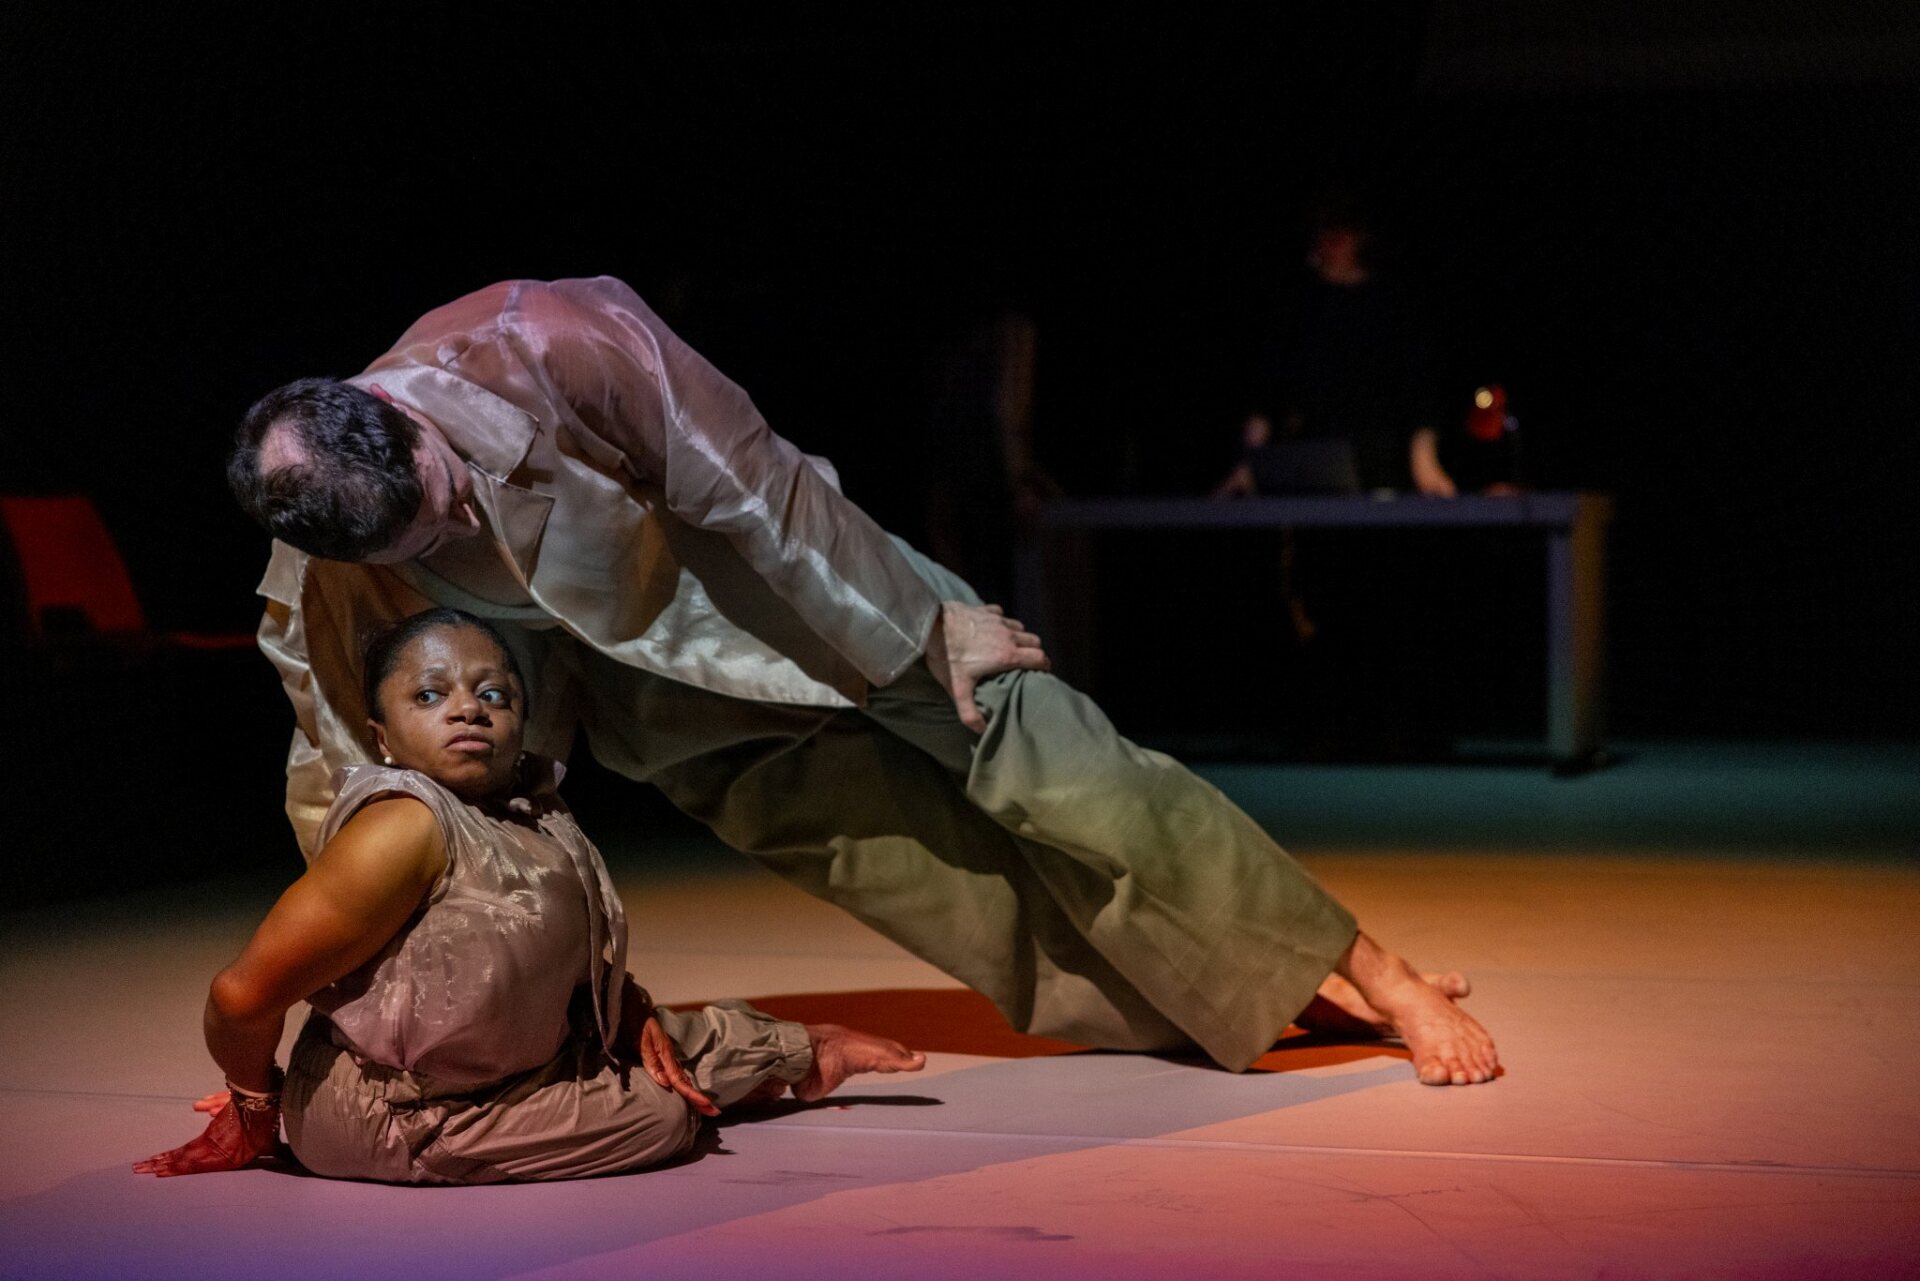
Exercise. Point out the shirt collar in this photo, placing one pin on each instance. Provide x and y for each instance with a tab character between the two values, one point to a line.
488	432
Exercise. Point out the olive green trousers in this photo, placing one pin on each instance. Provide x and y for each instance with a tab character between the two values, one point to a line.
1093	890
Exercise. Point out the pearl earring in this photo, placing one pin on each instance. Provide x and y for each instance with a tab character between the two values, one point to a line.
387	759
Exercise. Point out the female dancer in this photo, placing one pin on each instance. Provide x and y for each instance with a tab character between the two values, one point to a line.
464	953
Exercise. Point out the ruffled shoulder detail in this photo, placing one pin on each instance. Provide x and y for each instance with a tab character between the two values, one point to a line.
357	786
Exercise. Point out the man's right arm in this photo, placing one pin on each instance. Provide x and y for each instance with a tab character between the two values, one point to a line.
283	640
683	424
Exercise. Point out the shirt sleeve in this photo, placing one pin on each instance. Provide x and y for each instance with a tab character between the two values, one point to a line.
283	640
685	426
318	615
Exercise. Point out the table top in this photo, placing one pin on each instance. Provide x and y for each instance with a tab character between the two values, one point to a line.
1552	509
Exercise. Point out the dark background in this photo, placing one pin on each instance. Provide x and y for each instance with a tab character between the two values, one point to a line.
1683	240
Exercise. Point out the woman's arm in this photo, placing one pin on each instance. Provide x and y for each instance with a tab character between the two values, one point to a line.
356	895
360	890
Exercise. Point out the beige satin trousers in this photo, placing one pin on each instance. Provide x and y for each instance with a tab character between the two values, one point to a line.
577	1115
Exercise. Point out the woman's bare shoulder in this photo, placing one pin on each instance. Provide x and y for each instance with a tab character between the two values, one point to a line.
390	835
396	814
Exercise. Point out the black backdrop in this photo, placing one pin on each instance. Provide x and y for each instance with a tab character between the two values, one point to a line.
1688	249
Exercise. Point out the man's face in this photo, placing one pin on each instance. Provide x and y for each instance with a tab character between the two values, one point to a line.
446	503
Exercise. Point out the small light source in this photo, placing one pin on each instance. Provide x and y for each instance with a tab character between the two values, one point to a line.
1483	399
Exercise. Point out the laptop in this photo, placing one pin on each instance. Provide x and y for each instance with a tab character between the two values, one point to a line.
1319	466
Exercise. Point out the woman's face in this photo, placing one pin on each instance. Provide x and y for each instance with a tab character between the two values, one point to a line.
453	711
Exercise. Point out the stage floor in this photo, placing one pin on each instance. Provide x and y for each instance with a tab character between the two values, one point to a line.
1709	1065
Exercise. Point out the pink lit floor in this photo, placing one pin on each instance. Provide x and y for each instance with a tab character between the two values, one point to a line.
1710	1069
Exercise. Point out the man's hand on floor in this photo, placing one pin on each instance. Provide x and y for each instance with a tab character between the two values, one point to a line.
971	643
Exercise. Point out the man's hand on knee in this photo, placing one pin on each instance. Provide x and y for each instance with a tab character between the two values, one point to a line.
970	644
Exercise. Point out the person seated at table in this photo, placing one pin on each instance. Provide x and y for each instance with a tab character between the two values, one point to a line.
1344	358
464	952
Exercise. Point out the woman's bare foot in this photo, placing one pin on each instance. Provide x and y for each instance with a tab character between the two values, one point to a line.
839	1053
1449	1046
1338	1007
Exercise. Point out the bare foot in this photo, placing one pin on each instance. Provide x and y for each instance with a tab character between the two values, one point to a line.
839	1053
1338	1007
1449	1046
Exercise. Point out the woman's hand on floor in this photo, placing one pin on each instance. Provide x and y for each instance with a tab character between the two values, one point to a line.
657	1056
233	1140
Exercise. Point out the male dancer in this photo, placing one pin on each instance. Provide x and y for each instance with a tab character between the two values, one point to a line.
698	594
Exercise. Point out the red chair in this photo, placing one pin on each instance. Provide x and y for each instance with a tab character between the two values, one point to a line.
75	583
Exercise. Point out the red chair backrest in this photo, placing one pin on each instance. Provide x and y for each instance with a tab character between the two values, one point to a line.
68	561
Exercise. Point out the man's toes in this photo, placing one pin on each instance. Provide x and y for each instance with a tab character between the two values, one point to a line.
1447	1069
901	1059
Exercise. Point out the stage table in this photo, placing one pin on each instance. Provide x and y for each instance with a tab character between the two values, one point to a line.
1054	577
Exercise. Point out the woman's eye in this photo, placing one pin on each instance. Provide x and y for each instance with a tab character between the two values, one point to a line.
428	697
497	697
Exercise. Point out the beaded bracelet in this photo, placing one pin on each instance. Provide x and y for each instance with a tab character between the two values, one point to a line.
256	1100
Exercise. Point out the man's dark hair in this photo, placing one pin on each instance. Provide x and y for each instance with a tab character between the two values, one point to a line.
382	650
358	488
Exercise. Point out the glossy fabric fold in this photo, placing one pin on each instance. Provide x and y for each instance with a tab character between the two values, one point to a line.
479	984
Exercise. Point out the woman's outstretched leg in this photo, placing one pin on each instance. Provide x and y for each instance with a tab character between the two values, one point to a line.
738	1055
840	1052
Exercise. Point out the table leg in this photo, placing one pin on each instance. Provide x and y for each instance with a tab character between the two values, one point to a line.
1576	643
